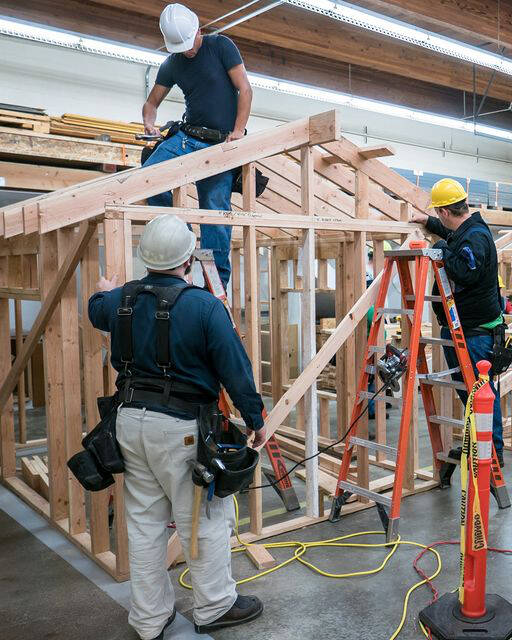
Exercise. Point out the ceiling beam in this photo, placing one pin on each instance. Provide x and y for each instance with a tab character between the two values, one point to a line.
319	35
468	20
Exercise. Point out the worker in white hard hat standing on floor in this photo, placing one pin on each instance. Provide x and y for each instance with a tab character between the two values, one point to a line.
210	72
157	427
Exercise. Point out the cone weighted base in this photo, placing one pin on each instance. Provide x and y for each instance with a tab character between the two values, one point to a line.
446	622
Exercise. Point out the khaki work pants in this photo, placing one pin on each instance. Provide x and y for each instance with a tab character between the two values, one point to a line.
158	481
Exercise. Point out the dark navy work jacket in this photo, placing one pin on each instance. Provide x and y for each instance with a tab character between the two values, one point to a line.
204	348
471	262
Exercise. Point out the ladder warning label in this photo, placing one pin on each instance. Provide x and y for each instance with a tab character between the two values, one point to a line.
445	283
453	313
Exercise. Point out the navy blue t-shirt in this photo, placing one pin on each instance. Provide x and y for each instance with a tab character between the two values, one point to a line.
210	97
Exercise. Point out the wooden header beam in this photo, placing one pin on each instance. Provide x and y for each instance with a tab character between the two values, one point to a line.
140	214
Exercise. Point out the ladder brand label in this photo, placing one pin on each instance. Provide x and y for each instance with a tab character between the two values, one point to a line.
445	283
450	303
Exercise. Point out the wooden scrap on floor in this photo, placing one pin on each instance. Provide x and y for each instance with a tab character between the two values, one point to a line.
35	473
260	557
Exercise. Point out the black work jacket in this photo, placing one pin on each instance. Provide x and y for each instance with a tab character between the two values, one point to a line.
471	263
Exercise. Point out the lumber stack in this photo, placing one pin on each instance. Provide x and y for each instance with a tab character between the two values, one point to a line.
39	123
70	124
35	474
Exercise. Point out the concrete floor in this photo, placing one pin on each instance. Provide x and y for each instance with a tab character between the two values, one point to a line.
300	603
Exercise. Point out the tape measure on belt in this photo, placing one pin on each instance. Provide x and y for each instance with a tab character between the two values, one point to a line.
470	454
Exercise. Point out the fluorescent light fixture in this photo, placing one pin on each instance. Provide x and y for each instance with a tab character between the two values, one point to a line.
346	100
365	19
147	57
69	40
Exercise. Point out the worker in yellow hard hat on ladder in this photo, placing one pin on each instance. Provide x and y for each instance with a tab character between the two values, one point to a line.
471	263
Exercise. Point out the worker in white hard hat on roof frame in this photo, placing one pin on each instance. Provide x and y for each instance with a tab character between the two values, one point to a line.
157	431
210	72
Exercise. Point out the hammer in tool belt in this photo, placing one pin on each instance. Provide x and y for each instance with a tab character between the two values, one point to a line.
200	477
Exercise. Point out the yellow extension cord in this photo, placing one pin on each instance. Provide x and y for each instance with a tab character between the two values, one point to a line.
302	547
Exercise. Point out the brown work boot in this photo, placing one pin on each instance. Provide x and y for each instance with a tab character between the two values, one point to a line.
245	609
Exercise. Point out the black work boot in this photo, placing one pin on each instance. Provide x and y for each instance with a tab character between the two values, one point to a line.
499	455
170	620
245	609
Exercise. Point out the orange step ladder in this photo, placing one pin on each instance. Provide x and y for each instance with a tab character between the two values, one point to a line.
413	299
283	486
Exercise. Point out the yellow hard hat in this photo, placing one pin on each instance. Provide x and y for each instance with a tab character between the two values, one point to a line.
501	284
445	192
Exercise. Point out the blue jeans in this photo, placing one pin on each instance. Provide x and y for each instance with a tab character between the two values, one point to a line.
479	348
371	401
213	192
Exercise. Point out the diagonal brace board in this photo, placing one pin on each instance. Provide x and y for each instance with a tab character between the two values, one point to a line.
88	201
45	313
283	407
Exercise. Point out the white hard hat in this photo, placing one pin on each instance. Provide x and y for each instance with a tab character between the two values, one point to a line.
179	26
166	243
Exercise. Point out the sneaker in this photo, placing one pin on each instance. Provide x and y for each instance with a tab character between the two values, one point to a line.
245	609
499	455
170	620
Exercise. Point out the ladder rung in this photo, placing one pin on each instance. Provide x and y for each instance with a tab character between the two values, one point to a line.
376	349
437	341
444	457
380	398
365	493
395	312
436	375
434	254
445	420
446	383
427	298
375	446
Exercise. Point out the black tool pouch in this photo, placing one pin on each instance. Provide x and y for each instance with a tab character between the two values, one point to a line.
501	357
89	473
239	463
260	179
101	457
101	442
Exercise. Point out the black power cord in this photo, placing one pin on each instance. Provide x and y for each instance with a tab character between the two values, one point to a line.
324	449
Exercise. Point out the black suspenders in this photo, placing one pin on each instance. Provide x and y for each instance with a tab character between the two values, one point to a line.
166	298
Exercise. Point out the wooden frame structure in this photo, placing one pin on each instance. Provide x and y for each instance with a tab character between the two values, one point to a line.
326	199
